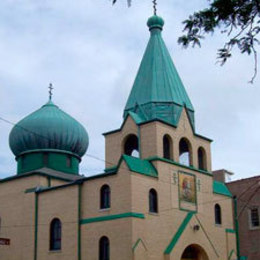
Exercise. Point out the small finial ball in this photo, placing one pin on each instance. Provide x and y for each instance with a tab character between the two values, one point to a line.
155	22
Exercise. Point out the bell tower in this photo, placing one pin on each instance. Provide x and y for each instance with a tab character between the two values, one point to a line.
158	119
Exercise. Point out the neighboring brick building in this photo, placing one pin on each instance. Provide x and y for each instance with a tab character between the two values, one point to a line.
247	192
156	199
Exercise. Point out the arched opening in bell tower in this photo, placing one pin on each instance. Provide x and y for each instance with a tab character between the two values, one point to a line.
167	147
185	152
131	145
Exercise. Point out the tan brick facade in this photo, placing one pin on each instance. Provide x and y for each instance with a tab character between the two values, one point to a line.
135	233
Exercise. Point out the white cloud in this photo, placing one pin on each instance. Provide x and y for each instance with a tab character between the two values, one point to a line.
91	52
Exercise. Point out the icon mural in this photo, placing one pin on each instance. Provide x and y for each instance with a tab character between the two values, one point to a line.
187	188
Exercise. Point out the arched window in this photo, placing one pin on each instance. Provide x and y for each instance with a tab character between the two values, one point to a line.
167	147
218	220
105	197
131	146
55	234
202	163
153	201
185	152
104	248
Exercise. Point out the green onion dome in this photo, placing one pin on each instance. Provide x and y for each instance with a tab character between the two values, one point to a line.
155	22
49	129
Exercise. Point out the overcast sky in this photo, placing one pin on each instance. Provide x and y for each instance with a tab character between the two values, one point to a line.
91	51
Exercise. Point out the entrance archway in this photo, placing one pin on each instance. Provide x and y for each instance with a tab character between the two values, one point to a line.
194	252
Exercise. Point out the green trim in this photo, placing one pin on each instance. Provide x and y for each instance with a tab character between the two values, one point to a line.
34	173
30	190
178	234
136	243
49	150
229	230
140	166
157	158
36	226
111	169
221	188
79	218
112	217
230	254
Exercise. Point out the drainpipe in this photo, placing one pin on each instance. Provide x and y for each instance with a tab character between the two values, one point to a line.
79	219
36	226
236	227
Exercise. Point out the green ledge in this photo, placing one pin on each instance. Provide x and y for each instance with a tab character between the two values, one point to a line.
157	158
178	234
112	217
135	164
221	188
136	243
141	166
229	230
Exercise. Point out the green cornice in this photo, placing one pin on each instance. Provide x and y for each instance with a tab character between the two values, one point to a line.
112	217
140	166
221	189
230	230
156	158
31	174
178	234
47	151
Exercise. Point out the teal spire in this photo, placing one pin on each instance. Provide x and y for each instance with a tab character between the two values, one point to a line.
158	92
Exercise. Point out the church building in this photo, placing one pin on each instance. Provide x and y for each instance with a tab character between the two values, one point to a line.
155	200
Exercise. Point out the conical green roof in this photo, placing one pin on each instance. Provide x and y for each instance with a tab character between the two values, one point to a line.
158	92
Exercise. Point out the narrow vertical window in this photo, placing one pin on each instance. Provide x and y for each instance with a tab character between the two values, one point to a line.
104	248
153	201
55	234
167	147
254	217
105	197
202	159
218	220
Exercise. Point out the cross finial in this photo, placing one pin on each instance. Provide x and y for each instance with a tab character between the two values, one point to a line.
50	90
154	7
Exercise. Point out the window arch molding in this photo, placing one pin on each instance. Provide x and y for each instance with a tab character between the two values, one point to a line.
167	147
185	152
55	234
105	196
131	145
218	216
202	158
153	201
104	248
